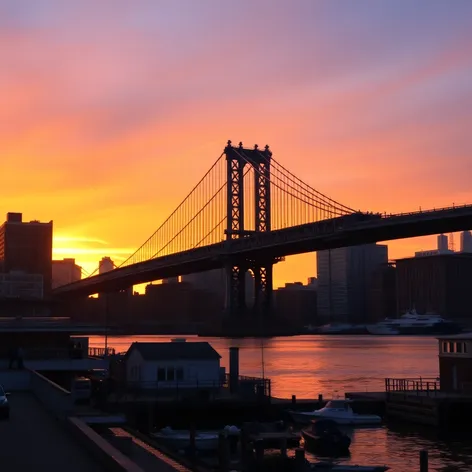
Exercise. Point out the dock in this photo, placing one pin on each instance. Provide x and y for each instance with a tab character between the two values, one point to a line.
363	402
422	401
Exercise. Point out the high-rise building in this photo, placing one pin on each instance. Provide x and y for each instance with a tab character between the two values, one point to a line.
105	265
296	304
344	280
436	284
466	241
65	272
26	247
443	245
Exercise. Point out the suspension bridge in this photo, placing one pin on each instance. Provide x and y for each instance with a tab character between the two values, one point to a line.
247	213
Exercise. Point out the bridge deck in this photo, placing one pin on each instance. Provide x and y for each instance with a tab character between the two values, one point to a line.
33	440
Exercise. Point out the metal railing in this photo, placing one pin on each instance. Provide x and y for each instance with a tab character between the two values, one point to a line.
101	351
421	385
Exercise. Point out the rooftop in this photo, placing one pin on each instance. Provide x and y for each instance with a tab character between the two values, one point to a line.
455	337
175	350
451	255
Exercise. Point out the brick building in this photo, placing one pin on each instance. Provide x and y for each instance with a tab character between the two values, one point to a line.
27	248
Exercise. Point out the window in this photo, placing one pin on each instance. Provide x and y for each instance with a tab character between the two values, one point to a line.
444	346
179	373
459	347
451	347
161	374
465	347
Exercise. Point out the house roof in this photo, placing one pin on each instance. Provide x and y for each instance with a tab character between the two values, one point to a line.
175	351
455	337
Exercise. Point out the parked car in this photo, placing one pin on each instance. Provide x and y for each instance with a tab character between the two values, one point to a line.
4	405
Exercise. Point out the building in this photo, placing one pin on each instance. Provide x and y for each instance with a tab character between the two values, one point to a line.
296	304
27	248
65	272
168	365
344	280
455	363
16	285
105	265
439	284
443	248
442	243
383	293
466	241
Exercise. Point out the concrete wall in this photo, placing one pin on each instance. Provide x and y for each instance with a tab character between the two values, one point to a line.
110	457
56	399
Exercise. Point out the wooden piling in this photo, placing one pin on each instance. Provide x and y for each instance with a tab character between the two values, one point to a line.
424	460
283	447
259	448
294	399
299	459
193	435
223	451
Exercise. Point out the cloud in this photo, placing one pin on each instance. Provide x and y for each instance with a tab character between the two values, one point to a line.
111	111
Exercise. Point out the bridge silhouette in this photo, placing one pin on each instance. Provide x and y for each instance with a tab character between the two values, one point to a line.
247	213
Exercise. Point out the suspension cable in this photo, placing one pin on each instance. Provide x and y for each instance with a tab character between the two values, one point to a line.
175	211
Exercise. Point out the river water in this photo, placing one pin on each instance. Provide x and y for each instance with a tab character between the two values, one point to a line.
306	366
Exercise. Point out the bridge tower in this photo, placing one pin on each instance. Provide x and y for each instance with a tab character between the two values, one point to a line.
237	159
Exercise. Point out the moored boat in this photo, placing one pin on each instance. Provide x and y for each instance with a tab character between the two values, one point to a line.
180	439
324	437
339	411
415	324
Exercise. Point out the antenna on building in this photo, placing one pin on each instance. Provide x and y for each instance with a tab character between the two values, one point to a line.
451	242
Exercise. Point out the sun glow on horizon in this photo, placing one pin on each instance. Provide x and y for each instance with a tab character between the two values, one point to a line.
111	115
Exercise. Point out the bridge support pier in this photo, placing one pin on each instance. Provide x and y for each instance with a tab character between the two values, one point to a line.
263	288
260	160
235	288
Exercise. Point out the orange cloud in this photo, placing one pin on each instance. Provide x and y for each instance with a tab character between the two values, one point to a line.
111	114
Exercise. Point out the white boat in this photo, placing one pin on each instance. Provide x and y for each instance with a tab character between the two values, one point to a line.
414	323
336	410
180	439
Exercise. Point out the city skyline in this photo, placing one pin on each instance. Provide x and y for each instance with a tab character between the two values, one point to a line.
105	107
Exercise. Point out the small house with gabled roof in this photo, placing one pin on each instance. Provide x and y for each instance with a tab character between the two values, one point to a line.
179	364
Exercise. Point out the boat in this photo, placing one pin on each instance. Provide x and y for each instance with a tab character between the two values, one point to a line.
413	323
330	467
339	411
180	439
324	437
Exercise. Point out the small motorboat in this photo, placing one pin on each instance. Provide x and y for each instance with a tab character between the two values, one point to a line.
329	467
180	439
324	437
336	410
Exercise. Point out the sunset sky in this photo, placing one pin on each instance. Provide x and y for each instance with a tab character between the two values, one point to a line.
113	109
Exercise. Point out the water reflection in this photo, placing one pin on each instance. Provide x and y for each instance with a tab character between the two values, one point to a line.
306	366
332	365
